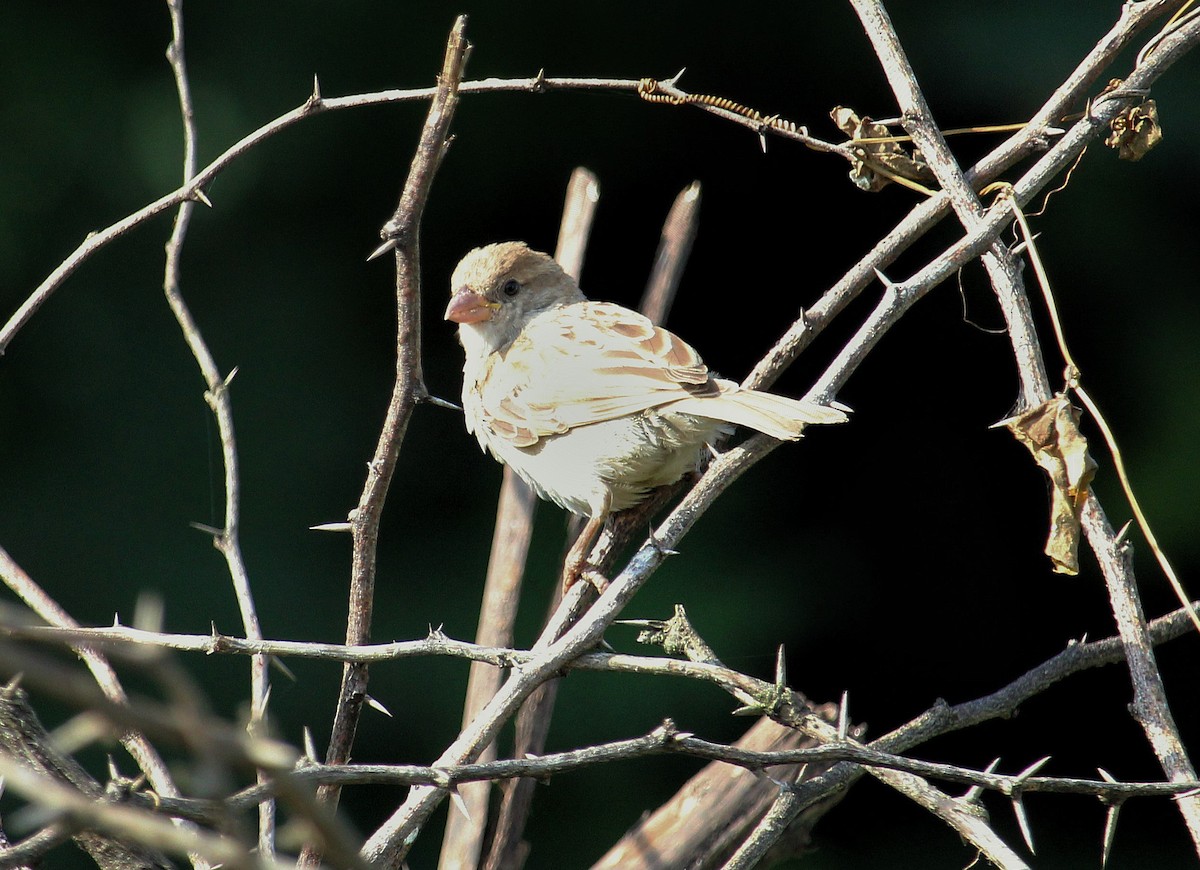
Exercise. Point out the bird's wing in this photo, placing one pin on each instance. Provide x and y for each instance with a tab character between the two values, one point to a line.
586	363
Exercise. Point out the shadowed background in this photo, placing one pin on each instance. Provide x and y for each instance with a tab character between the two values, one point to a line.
898	557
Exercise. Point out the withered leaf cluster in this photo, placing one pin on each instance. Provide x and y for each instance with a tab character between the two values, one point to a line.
877	164
1051	433
1135	130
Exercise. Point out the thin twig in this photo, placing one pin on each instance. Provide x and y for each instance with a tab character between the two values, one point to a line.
25	854
1074	378
24	740
710	813
1150	698
939	720
135	742
401	233
219	401
1091	654
392	840
1150	695
1133	19
766	832
315	104
125	822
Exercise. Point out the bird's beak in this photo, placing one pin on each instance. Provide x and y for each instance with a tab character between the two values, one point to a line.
467	306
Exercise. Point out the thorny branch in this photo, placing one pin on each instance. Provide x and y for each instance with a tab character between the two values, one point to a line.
881	754
402	235
218	399
558	649
1150	701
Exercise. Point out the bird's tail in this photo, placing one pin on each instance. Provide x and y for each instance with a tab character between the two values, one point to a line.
778	416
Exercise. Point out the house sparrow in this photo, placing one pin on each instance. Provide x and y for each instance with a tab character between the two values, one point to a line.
589	402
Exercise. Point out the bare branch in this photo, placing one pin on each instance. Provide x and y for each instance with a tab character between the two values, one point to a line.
24	741
1150	702
401	233
1032	137
143	752
218	399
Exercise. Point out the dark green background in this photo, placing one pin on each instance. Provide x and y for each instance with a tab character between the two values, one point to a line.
897	557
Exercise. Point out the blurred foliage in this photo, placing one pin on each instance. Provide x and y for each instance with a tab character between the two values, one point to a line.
898	557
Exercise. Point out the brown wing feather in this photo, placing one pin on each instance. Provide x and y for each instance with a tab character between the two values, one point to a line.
596	361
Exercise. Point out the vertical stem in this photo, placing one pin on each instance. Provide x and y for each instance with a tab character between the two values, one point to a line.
401	234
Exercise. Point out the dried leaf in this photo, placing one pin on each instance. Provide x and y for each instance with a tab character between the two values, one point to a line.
1051	432
1135	131
877	161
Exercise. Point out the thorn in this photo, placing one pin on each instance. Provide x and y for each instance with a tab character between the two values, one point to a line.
113	773
1105	775
1110	832
1122	536
459	802
1183	795
229	377
658	546
843	726
675	78
198	195
762	141
331	527
388	245
539	83
887	282
755	709
278	663
310	746
12	686
316	91
973	794
207	529
1021	246
1031	770
778	783
780	670
116	620
373	703
441	403
1023	822
260	706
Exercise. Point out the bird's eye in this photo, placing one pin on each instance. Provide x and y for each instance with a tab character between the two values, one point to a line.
511	287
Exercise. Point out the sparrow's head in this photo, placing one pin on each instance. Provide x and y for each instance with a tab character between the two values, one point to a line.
497	289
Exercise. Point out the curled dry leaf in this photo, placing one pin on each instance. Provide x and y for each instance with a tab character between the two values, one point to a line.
878	162
1135	131
1051	432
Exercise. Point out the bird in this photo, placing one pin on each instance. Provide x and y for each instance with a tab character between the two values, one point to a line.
591	403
